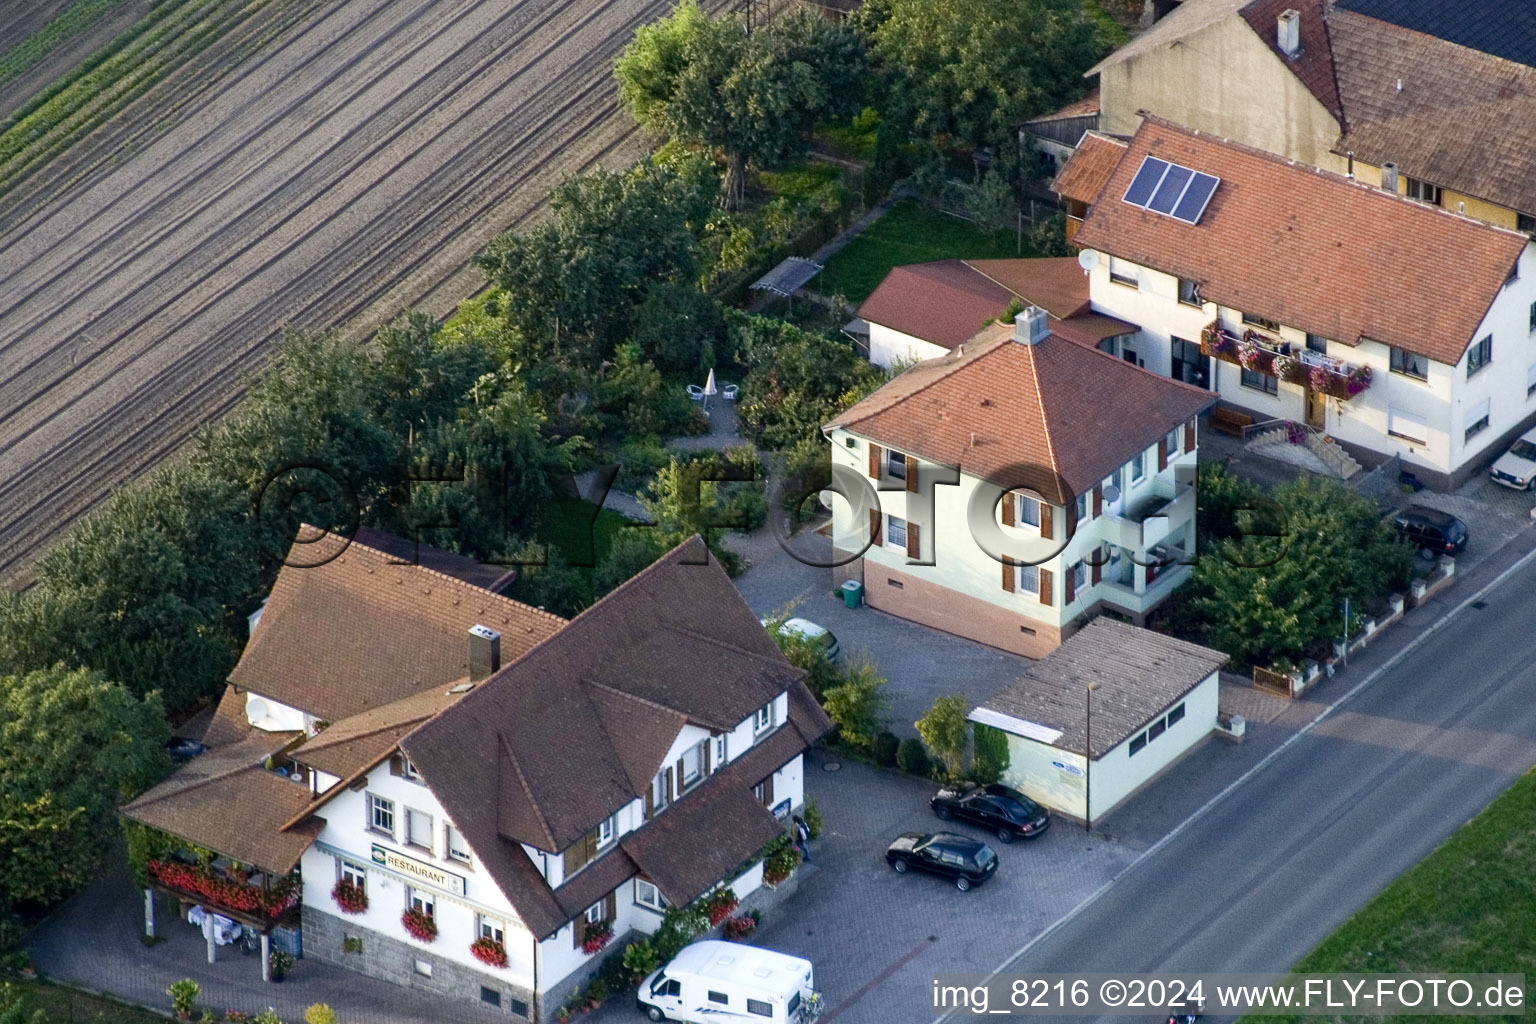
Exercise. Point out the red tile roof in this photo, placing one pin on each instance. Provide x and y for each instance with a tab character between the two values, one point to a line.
1057	284
1313	63
1084	107
1310	249
1055	417
1089	168
362	630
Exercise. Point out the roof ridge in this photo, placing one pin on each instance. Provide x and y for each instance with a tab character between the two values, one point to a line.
634	697
1045	420
145	800
943	373
1333	177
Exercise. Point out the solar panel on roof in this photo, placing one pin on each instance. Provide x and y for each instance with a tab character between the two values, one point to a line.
1147	177
1196	196
1168	193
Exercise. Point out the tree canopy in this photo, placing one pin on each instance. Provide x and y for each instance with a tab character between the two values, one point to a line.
754	97
969	72
71	745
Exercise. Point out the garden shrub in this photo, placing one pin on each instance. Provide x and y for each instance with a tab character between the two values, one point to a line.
912	757
886	745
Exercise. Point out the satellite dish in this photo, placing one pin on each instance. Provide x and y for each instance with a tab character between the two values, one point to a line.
256	709
1111	493
1088	259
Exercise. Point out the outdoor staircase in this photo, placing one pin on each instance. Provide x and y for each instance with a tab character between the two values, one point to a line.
1319	457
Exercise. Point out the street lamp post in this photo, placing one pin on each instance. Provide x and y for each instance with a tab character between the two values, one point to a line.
1088	762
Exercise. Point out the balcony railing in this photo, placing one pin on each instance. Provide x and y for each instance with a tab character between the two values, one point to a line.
1262	354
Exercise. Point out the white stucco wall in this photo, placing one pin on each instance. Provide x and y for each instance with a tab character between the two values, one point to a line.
888	346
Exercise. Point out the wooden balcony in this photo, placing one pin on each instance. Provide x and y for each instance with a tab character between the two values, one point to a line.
1301	366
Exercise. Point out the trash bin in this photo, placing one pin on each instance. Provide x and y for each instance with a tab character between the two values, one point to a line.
853	593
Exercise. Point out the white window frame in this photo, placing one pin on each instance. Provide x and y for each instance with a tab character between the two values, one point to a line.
1117	274
660	795
892	526
1400	359
422	900
1477	420
1021	503
412	816
448	834
376	804
594	913
1026	572
1172	441
606	830
721	749
643	888
1421	191
408	770
893	460
1194	292
1138	466
492	928
762	720
346	871
1476	359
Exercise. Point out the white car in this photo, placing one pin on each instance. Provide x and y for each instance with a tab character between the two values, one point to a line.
808	630
1517	467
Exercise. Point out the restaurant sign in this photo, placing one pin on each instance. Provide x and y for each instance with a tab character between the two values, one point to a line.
418	870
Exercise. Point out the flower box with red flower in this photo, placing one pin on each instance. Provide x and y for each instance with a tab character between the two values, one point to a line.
719	904
738	928
489	952
350	897
270	901
419	925
597	935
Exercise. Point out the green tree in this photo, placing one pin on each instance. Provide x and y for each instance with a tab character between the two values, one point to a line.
71	745
753	97
796	380
943	729
805	654
969	72
573	282
149	589
421	380
1270	600
633	549
679	327
991	203
546	580
990	749
859	703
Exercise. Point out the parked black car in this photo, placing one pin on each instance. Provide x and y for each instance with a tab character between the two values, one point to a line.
1433	532
968	861
1007	812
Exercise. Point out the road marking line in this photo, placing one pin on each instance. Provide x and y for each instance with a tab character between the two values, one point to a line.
863	990
1205	808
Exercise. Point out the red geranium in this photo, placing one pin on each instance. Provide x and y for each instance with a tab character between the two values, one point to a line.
225	892
739	928
349	897
720	903
419	925
489	951
597	935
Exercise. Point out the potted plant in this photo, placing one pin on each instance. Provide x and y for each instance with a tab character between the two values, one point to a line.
350	897
183	994
597	991
719	904
281	964
739	928
489	952
419	925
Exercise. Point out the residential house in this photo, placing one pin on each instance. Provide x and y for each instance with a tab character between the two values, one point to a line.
1057	134
926	310
1444	94
1301	295
1098	719
1011	489
542	784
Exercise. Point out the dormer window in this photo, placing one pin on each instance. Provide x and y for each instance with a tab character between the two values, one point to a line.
584	850
409	770
763	720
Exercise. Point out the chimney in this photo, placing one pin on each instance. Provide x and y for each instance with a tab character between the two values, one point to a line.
1031	326
1288	32
1389	176
484	652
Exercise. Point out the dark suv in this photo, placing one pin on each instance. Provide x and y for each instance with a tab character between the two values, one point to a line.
967	861
1431	531
1007	812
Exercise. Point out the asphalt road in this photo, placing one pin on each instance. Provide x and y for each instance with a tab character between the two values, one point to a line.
1278	863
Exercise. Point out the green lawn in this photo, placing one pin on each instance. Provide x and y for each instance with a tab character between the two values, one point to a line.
800	181
909	233
1467	907
63	1004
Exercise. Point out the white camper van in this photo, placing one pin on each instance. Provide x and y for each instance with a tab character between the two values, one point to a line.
727	982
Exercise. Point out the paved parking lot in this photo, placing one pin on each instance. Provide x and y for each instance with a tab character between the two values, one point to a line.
921	663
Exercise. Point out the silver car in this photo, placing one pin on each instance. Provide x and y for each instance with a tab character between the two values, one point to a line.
1517	467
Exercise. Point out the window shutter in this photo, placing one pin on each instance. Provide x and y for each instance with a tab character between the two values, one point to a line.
874	527
1162	454
670	793
1047	521
874	462
1068	588
768	791
911	475
914	548
1098	570
1007	575
577	927
1098	500
650	800
1045	586
1008	509
709	751
396	765
1189	436
610	906
679	776
572	862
